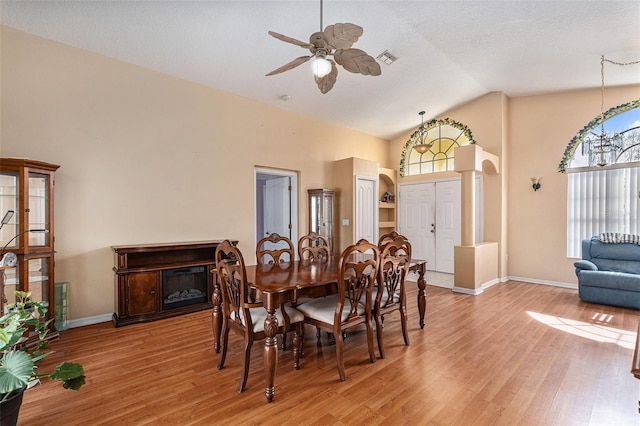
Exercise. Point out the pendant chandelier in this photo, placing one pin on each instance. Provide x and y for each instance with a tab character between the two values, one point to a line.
603	149
422	146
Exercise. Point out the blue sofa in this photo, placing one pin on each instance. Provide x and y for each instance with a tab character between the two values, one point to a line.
609	273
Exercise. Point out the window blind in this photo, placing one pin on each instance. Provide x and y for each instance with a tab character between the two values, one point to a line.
605	200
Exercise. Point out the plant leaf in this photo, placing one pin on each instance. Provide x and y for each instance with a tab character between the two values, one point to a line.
342	36
16	369
71	374
357	61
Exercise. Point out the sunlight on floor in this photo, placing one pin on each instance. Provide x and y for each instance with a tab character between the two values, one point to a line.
597	332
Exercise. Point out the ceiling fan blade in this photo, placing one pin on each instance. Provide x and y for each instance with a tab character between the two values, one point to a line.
357	61
342	36
326	83
291	65
290	40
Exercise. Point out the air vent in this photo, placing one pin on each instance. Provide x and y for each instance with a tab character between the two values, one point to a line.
386	57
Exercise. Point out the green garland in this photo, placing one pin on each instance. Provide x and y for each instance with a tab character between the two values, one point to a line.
577	139
430	125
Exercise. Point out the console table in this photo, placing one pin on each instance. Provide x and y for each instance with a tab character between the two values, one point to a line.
155	281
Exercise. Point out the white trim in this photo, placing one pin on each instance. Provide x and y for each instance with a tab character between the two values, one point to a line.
477	291
544	282
469	291
80	322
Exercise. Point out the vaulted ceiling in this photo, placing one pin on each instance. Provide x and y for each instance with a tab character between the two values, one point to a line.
449	52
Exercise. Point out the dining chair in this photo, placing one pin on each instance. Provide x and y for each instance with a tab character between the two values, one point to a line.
246	316
353	305
274	249
390	295
313	246
386	238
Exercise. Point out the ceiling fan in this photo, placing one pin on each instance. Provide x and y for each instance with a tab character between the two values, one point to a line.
335	41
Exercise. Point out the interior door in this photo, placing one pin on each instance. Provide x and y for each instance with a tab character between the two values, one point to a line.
277	209
417	219
366	208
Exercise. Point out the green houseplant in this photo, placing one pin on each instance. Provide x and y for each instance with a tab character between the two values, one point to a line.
19	356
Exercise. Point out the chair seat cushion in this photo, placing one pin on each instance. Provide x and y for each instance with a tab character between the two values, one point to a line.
324	309
258	315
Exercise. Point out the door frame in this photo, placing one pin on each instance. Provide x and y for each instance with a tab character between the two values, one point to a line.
258	209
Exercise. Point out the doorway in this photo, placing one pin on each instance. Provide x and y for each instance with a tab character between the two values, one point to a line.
430	216
276	203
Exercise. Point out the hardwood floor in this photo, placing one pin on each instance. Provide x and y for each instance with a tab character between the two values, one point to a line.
517	354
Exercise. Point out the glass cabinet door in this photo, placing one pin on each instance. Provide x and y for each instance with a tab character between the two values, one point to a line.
321	213
9	197
38	209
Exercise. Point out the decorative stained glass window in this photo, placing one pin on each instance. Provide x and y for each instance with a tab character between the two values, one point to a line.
444	136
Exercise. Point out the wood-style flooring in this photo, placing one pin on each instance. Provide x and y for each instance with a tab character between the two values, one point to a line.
518	354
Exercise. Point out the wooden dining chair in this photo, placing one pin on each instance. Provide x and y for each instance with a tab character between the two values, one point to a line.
386	238
274	249
353	305
245	316
313	246
390	295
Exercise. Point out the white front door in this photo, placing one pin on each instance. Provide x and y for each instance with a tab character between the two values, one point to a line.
430	217
448	223
366	208
417	219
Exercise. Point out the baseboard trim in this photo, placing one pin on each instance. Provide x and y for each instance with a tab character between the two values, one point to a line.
544	282
80	322
470	291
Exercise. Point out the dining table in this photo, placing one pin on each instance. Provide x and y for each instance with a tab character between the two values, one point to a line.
279	283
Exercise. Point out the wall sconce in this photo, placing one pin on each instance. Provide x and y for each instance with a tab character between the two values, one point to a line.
536	183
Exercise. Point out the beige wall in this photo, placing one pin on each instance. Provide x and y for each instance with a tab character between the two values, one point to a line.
146	157
529	134
540	127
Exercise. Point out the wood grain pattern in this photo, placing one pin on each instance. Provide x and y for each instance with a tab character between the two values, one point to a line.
517	354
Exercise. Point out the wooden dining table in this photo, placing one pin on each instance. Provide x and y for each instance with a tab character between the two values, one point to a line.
284	282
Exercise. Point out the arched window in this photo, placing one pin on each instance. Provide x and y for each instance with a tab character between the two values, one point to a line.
623	121
445	135
603	181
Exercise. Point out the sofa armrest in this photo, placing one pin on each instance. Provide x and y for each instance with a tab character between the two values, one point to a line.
586	265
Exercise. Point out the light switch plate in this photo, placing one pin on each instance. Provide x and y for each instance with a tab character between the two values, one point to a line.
345	222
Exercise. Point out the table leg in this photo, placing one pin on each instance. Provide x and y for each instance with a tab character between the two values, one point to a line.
216	299
270	353
422	297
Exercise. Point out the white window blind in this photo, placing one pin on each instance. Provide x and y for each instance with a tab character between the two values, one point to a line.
605	200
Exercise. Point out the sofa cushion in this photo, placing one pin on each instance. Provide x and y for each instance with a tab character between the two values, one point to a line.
621	251
611	265
610	280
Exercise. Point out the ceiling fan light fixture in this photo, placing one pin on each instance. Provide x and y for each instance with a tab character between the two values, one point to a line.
320	66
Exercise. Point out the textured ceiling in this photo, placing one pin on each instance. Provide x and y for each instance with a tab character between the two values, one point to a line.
449	52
